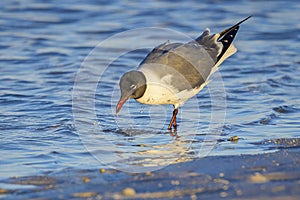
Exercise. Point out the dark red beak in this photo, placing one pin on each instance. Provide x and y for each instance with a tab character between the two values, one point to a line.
120	104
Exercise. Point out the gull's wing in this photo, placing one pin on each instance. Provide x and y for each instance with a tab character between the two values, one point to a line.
193	62
187	63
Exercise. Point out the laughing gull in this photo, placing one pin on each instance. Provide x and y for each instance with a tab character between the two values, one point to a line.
174	72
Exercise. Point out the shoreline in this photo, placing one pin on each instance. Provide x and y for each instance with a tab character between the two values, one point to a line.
262	176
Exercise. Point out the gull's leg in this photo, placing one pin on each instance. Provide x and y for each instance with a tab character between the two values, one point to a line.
173	120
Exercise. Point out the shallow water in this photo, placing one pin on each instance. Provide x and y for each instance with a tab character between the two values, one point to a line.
45	45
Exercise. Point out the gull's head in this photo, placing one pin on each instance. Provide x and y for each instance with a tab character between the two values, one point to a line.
132	85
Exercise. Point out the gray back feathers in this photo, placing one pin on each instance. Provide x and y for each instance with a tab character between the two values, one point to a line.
194	61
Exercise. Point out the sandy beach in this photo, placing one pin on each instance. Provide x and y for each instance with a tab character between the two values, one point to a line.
264	176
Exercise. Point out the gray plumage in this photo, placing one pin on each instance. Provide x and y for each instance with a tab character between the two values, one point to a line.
183	59
193	60
174	72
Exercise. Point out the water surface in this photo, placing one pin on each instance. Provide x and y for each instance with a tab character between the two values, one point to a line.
44	44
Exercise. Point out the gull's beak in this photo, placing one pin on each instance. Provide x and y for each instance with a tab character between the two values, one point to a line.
120	104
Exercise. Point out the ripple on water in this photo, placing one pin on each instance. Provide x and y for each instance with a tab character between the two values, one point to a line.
280	143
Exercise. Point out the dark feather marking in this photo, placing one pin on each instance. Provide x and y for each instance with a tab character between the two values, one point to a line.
226	40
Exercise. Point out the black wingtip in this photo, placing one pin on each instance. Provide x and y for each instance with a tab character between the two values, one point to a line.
226	40
234	26
226	37
244	20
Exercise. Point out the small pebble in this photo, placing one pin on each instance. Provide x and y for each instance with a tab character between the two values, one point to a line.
148	173
3	191
175	182
239	192
223	181
258	178
193	197
128	192
223	194
225	187
279	188
102	170
234	138
84	194
86	180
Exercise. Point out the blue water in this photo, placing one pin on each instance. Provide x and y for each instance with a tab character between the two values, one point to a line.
45	44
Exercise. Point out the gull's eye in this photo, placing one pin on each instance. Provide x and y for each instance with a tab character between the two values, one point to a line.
133	87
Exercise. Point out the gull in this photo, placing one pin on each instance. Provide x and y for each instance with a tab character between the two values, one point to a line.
172	73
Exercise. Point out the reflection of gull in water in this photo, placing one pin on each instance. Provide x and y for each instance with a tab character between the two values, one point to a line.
142	151
141	148
157	155
165	154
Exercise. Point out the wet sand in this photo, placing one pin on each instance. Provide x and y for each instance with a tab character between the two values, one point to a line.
264	176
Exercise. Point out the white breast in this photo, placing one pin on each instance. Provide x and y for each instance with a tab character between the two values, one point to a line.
160	91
